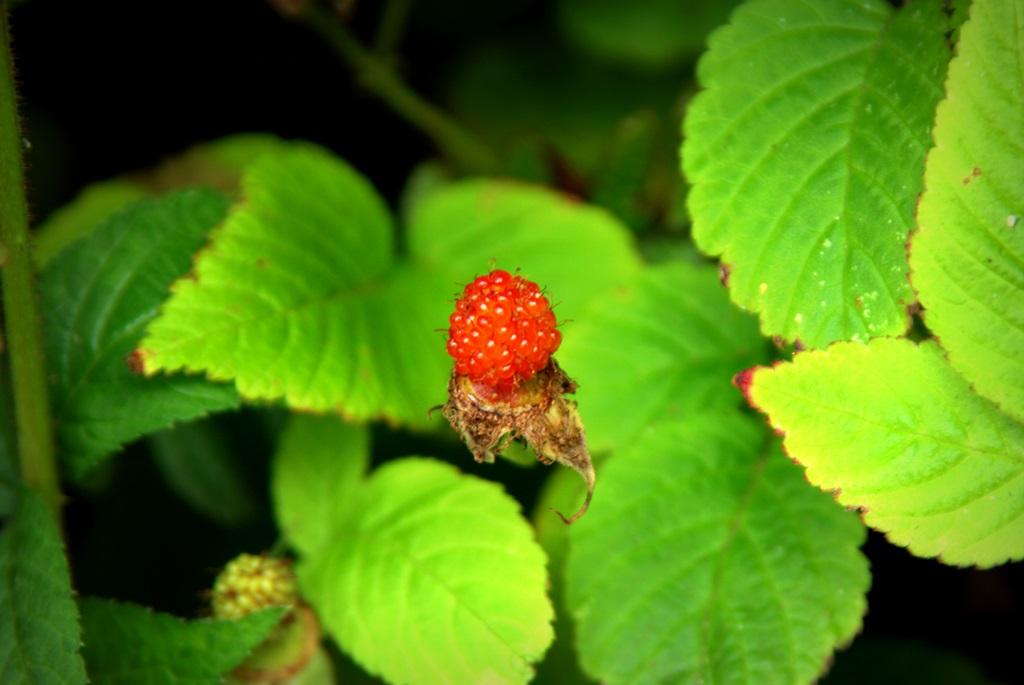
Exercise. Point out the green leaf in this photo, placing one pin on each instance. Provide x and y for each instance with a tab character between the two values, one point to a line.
893	430
39	631
127	644
199	467
706	558
662	348
317	474
576	252
439	568
217	164
94	205
97	299
622	183
806	152
968	255
649	34
300	297
523	88
957	10
563	490
288	281
425	179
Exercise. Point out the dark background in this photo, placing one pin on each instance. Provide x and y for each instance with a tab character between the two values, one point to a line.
115	86
110	87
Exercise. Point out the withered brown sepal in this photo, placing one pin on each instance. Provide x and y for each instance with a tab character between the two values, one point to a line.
536	411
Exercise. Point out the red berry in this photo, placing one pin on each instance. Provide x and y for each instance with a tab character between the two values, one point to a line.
502	331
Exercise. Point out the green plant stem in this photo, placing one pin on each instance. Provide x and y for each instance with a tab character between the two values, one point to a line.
21	312
392	22
379	78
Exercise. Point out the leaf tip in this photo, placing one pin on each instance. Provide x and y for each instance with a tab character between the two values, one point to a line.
724	271
782	344
136	360
861	510
744	380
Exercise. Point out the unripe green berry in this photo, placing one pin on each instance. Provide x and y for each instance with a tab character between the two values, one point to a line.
253	582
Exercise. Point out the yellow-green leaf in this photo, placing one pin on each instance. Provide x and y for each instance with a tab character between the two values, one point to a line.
893	430
968	255
434	577
317	474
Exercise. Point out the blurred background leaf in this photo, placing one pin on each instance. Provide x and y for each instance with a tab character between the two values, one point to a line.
908	662
647	34
527	86
198	464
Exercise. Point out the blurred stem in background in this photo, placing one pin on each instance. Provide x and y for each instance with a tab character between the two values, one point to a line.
24	339
392	24
375	72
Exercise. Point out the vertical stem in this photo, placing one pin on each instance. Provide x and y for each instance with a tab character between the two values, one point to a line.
21	312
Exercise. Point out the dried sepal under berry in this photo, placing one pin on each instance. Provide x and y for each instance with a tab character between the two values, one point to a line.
537	412
506	384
